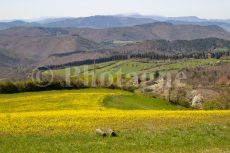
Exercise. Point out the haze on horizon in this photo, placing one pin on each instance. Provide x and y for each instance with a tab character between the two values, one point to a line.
32	9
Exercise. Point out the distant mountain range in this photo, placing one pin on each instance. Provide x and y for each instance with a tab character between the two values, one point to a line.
102	22
152	31
90	22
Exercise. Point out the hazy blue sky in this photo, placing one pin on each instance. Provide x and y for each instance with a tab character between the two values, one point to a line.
27	9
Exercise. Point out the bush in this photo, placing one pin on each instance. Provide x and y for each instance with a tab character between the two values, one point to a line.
30	86
217	104
129	88
181	96
114	86
156	75
8	87
76	84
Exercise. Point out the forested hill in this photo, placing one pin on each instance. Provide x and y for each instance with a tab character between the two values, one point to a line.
209	45
154	49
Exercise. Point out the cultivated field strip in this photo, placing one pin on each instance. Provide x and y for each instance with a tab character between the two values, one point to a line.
67	121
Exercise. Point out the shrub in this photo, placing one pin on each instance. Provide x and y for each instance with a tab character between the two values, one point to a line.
214	104
8	87
156	75
114	86
76	84
129	88
30	86
181	96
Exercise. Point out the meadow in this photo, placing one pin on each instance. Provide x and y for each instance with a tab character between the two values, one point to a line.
135	66
65	121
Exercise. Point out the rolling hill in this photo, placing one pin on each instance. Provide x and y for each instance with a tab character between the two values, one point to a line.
42	42
39	46
29	47
153	31
37	43
187	20
166	47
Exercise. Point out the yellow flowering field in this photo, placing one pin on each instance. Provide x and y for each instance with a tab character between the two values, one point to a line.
64	112
68	121
84	99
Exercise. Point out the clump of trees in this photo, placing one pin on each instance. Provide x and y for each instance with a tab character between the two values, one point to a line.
9	87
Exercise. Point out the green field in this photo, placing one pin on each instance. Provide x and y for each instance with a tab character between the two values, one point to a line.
210	139
135	66
134	102
65	122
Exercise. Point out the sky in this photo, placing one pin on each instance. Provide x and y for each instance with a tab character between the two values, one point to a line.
31	9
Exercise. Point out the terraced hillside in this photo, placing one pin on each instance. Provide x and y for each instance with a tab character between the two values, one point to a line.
136	66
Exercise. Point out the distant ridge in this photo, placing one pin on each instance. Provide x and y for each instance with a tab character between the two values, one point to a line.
101	22
150	31
153	31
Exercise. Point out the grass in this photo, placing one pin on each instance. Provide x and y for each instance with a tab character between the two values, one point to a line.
65	122
218	103
136	102
208	139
